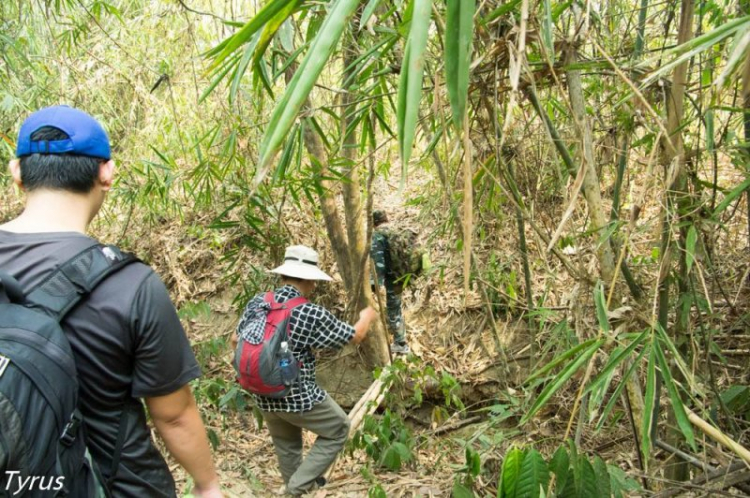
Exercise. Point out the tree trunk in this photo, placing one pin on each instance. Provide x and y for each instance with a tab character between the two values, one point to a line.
375	347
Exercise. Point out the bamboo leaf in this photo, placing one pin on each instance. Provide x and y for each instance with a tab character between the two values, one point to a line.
615	360
601	307
692	237
742	42
244	35
501	11
561	379
677	407
219	77
547	34
272	27
410	84
736	192
287	109
691	48
368	12
618	391
560	359
648	406
459	32
241	68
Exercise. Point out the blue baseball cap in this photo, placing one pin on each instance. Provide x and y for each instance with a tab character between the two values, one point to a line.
87	137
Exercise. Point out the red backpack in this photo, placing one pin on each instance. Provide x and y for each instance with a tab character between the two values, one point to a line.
263	369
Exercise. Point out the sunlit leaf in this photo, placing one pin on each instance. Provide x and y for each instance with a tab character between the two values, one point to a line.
459	33
410	84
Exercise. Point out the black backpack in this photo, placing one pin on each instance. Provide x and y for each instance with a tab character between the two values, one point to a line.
42	442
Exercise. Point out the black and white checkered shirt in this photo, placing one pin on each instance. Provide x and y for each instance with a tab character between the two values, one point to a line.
310	327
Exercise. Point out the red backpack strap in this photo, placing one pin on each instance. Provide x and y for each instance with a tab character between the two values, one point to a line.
297	301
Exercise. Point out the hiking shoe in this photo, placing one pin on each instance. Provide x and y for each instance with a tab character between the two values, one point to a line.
400	348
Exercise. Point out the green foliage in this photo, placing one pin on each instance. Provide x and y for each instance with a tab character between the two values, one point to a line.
386	440
459	32
737	400
285	113
526	474
410	85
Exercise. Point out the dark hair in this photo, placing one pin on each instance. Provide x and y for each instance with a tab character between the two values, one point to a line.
71	172
292	280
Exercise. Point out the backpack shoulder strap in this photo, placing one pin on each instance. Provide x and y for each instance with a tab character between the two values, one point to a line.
297	301
75	279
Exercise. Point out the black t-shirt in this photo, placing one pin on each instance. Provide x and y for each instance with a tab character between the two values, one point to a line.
128	344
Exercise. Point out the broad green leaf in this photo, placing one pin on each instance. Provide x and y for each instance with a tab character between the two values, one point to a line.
473	462
510	473
562	378
692	237
559	465
677	407
648	405
533	476
410	84
461	491
244	35
601	307
391	458
602	477
304	79
586	486
734	194
459	33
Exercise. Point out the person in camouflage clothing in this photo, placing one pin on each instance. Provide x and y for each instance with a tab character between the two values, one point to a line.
381	257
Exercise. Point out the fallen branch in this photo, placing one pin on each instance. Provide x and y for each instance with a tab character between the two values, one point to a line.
367	404
710	472
733	475
456	425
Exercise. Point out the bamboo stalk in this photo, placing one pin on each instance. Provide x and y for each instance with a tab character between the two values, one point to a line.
719	436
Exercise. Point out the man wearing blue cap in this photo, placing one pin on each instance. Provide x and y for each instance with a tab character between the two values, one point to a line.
125	336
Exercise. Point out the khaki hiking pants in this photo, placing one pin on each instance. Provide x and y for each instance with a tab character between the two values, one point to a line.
328	421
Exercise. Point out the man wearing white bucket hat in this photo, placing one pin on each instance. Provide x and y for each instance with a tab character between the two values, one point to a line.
306	406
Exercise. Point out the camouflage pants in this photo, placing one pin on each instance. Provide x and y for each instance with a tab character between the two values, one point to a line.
395	315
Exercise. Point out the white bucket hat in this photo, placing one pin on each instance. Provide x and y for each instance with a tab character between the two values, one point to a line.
301	262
